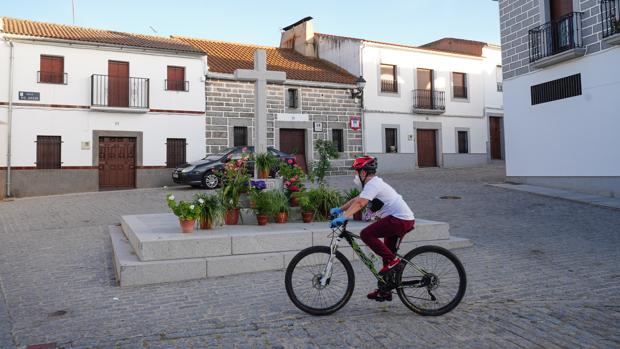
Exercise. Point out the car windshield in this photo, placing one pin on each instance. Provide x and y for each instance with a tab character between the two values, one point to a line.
219	155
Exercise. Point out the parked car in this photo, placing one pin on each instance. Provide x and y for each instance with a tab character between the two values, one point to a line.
202	173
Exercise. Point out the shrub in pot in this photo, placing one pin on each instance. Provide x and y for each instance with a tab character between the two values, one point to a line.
263	207
187	212
324	198
293	177
280	207
307	207
351	194
235	181
211	210
264	162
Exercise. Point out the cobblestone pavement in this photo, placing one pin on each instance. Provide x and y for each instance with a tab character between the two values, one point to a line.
543	274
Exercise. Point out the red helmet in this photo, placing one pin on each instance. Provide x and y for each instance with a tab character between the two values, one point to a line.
367	163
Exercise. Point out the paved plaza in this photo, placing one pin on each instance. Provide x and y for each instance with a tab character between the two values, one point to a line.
543	273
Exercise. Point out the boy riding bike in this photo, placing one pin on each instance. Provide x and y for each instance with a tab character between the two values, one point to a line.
396	218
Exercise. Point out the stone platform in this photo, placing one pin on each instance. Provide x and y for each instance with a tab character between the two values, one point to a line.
150	248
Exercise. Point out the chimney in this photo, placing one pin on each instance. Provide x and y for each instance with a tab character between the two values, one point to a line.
300	37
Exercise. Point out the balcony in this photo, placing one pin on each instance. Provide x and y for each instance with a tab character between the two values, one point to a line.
119	93
556	41
429	102
44	77
610	21
390	86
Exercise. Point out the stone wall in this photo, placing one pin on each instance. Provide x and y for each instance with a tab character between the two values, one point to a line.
517	17
231	103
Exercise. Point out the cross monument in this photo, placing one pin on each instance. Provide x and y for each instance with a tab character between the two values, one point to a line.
260	75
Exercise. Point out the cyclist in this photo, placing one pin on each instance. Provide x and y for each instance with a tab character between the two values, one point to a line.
396	218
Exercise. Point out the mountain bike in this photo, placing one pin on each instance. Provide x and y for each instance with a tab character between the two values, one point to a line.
319	280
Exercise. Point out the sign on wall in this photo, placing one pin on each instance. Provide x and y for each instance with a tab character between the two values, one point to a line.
318	126
29	96
355	123
291	117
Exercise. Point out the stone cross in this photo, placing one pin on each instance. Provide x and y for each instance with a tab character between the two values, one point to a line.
260	75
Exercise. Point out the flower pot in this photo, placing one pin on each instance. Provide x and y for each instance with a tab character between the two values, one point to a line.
357	216
263	174
232	216
206	223
281	217
262	219
307	217
187	226
294	201
252	204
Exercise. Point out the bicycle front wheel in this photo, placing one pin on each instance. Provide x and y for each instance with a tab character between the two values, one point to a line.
303	281
432	281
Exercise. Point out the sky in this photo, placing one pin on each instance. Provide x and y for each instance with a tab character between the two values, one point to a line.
412	22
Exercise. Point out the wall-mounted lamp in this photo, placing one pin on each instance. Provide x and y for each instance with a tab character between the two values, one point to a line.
359	90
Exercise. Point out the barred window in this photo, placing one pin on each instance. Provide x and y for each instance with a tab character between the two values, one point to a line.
240	136
338	139
175	152
48	152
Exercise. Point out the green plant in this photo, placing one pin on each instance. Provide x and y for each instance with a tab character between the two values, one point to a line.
265	161
324	198
352	193
305	202
293	176
185	210
211	208
263	202
278	202
235	180
327	151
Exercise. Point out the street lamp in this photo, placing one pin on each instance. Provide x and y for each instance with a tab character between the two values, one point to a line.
359	90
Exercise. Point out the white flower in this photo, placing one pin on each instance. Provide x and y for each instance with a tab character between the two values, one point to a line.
201	201
191	207
171	197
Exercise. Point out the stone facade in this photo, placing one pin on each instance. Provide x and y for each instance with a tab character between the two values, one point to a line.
230	103
518	17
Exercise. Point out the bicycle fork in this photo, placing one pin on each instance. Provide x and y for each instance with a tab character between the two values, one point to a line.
327	271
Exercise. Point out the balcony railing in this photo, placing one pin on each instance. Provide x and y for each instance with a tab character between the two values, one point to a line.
610	16
176	85
500	86
389	86
52	78
119	92
429	100
555	37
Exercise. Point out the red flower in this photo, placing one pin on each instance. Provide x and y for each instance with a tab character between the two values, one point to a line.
287	183
289	161
293	188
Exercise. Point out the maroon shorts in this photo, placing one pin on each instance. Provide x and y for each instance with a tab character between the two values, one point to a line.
390	229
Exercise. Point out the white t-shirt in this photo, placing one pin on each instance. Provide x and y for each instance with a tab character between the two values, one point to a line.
393	203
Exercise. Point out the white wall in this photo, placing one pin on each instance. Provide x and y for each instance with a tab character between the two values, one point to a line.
343	52
578	136
493	58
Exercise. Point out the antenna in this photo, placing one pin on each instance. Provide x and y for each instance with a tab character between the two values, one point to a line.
153	29
73	10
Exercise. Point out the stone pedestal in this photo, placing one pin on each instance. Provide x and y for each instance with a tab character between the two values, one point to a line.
150	248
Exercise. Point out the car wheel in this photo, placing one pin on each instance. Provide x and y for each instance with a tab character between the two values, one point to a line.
210	181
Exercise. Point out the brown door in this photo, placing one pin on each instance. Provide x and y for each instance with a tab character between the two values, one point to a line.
117	162
560	8
118	84
427	148
495	137
293	141
425	88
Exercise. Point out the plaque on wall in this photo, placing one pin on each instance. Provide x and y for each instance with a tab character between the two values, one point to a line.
29	96
291	117
318	126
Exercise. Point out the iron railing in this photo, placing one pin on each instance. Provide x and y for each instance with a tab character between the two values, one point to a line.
176	85
52	78
389	86
555	37
500	86
610	17
429	100
119	91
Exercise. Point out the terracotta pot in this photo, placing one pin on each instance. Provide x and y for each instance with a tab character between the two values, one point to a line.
281	217
307	217
263	174
294	201
252	204
232	216
206	223
357	216
187	226
262	219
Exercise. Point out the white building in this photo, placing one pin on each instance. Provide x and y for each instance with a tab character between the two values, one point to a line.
427	106
86	110
562	89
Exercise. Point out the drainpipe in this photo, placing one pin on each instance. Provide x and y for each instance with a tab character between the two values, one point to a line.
9	120
362	101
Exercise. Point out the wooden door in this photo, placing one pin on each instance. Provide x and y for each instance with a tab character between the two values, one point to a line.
427	148
495	139
293	141
118	84
425	88
560	8
117	162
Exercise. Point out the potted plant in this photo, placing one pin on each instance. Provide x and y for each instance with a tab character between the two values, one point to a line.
263	207
264	162
211	210
324	199
307	207
235	180
255	189
280	207
293	176
350	194
187	212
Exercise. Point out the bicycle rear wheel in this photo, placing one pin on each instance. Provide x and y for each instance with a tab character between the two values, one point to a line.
303	276
437	291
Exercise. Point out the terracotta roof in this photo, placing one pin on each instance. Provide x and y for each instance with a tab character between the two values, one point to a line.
440	45
225	57
100	36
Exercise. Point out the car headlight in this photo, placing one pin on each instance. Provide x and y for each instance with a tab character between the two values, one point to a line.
188	169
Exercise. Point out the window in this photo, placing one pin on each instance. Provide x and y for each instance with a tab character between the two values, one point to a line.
338	139
240	136
459	85
176	79
48	152
388	78
463	142
292	98
391	140
52	70
554	90
175	152
499	78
